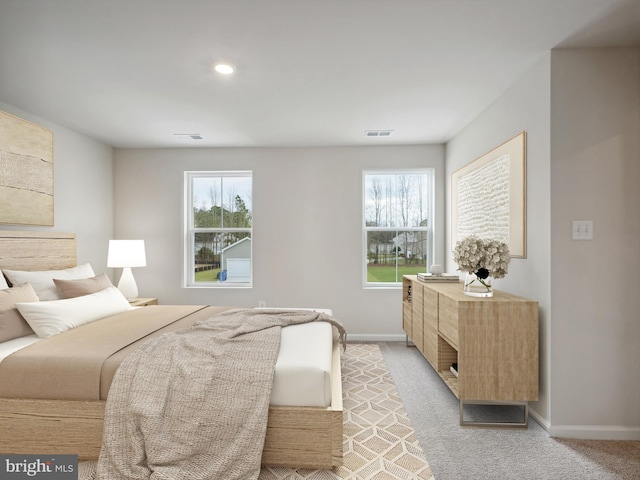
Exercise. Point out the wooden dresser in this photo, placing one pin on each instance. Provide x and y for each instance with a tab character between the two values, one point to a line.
493	341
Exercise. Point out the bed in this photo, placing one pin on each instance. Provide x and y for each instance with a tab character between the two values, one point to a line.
297	436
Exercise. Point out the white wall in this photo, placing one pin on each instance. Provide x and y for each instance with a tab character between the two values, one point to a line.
307	247
83	189
595	175
525	106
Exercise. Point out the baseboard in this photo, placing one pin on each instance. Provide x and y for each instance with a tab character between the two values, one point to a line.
595	432
539	419
586	432
371	338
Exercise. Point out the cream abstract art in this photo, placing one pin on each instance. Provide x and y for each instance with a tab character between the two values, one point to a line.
26	172
488	197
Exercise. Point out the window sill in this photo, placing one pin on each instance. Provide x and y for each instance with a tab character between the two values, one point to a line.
221	285
382	286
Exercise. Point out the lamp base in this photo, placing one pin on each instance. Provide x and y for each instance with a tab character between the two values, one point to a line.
127	284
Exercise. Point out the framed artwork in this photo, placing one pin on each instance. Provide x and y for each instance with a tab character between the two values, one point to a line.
26	167
488	196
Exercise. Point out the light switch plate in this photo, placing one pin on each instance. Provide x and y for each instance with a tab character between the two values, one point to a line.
582	230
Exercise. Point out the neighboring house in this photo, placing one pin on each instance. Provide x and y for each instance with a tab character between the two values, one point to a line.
381	248
236	260
409	243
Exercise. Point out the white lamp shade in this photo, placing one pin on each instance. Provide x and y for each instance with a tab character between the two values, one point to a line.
126	253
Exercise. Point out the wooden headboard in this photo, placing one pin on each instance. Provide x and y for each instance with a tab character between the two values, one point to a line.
36	250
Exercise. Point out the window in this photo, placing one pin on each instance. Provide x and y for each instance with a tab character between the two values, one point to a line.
218	229
397	223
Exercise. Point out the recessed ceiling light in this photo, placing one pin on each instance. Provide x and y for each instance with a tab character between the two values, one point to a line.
224	68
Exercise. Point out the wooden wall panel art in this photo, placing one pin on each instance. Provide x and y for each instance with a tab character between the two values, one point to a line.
26	172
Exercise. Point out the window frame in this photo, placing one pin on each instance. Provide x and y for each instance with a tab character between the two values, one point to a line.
189	230
429	229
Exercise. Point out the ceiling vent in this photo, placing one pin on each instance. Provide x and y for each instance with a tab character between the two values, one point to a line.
377	133
188	136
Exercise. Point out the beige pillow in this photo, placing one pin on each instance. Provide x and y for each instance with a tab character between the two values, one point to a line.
12	324
86	286
42	281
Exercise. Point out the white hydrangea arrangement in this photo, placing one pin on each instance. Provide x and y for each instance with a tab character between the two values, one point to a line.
482	257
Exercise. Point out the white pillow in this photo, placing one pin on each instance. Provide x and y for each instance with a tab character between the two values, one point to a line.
3	282
56	316
42	281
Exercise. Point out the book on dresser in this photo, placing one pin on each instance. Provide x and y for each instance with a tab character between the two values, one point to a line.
443	277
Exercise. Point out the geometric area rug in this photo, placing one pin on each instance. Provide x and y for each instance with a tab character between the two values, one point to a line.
379	442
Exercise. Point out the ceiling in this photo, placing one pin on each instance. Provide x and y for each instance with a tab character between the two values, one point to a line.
133	73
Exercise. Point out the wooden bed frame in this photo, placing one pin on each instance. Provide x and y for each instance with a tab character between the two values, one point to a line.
297	437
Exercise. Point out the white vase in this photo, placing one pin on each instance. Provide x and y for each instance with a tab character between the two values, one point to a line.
436	269
477	287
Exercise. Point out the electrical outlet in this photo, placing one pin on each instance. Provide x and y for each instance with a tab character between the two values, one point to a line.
582	230
262	304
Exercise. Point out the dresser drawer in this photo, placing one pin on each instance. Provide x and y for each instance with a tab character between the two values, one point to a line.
448	319
417	313
406	318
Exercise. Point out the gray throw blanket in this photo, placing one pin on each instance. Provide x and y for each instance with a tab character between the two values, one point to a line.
193	404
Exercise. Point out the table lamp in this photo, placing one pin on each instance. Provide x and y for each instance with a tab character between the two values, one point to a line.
127	254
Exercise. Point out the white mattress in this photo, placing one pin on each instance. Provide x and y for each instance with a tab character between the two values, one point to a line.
303	369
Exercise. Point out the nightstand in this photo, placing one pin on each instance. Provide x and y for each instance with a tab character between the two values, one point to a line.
143	302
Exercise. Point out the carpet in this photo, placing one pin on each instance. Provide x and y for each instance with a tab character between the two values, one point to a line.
379	441
471	453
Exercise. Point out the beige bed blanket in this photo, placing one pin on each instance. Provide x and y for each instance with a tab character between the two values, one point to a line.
79	364
193	404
